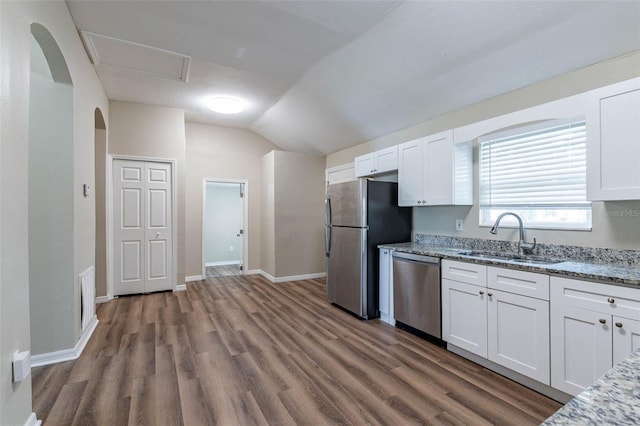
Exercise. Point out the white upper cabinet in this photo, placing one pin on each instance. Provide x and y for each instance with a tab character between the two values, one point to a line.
382	161
434	171
613	142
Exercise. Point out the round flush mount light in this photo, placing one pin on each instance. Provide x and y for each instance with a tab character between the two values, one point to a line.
225	104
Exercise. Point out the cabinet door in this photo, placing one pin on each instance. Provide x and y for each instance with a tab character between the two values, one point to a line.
580	347
386	160
613	142
464	316
518	334
626	338
364	165
386	291
437	175
410	173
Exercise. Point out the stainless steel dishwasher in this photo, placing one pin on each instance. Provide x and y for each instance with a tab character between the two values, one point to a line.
416	292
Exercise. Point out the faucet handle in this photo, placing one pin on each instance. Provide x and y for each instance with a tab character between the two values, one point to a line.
525	246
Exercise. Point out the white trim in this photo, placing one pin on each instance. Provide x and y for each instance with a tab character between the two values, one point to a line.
191	278
66	354
109	211
245	220
253	272
292	277
33	420
181	287
103	299
224	263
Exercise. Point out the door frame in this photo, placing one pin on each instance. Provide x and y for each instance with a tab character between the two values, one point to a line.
109	216
245	221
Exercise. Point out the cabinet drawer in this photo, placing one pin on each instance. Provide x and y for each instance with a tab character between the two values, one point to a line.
470	273
518	282
605	298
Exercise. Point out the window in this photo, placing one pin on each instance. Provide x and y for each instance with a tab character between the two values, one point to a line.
539	172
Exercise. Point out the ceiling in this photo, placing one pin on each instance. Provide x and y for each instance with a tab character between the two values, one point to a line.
320	76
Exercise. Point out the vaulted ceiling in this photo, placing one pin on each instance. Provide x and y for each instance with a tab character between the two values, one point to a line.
320	76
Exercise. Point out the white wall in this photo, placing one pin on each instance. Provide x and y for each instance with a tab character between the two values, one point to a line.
222	153
223	221
15	21
609	230
51	212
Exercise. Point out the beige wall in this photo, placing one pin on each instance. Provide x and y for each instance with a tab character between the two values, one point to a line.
299	214
222	153
156	132
609	229
15	21
267	215
292	214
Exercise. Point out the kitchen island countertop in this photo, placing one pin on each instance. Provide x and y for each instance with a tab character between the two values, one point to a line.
613	399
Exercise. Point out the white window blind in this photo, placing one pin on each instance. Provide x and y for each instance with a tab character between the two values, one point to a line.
538	172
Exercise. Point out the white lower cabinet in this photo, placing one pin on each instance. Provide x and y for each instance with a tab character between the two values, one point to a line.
518	334
509	329
593	327
464	316
386	286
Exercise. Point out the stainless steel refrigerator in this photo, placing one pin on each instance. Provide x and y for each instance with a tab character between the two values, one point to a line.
360	215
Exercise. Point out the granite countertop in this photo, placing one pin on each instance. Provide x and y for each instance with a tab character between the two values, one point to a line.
623	275
612	400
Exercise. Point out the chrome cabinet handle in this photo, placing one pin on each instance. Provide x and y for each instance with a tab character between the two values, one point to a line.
611	300
619	324
489	294
157	234
602	321
481	293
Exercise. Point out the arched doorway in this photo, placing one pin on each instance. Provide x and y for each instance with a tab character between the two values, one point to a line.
52	292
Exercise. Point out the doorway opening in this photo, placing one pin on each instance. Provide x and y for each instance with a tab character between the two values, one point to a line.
224	236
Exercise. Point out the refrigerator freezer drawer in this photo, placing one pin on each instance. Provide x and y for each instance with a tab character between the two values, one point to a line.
346	279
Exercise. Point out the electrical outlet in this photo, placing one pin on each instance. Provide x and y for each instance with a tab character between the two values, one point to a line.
459	225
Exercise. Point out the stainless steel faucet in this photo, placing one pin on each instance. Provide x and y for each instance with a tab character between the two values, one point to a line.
523	246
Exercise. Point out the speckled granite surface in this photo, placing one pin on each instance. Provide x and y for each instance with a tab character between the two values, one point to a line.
612	400
620	267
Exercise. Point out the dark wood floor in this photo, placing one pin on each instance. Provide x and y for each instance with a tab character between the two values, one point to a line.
241	351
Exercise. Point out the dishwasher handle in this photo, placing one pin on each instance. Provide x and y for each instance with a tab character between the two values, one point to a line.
415	258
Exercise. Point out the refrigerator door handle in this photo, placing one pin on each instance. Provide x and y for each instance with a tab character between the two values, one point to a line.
327	226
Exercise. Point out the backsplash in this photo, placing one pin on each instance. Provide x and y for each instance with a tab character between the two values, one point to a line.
630	258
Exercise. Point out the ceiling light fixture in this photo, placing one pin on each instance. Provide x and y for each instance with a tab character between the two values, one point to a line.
225	104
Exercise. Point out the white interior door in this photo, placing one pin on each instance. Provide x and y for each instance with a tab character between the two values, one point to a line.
142	227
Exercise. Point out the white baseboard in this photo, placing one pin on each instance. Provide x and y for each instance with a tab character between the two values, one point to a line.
292	277
66	354
224	263
181	287
190	278
253	272
33	420
103	299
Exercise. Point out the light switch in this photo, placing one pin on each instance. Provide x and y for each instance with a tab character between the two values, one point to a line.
21	363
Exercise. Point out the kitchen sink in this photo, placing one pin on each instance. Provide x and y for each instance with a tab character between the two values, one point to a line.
510	257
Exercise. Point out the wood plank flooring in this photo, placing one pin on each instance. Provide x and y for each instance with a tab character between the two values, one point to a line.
222	271
242	351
